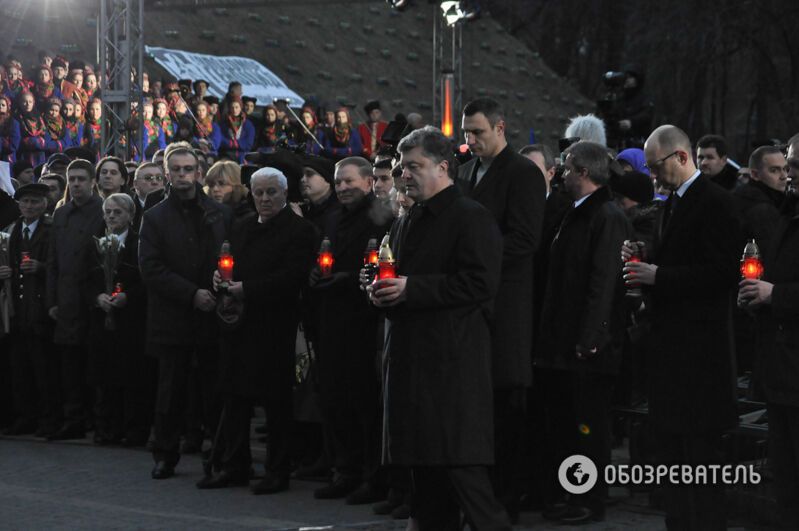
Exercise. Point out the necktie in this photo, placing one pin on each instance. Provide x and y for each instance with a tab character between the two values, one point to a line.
673	200
473	180
26	234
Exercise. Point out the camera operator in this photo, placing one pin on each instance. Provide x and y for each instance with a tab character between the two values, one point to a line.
626	109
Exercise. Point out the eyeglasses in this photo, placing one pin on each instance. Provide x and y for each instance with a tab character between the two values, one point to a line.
150	178
658	163
184	169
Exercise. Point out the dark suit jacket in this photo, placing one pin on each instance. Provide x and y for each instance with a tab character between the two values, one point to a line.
178	250
584	290
438	393
690	363
777	364
273	260
72	229
29	290
514	190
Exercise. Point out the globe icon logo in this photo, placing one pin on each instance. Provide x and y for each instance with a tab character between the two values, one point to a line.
577	474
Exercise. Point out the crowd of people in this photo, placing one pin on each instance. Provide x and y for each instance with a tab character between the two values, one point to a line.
227	264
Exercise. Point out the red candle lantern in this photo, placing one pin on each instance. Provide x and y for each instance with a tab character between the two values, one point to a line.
371	256
117	290
385	263
634	288
225	263
325	258
25	255
751	266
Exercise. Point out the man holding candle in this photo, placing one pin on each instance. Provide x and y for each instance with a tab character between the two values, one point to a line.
438	414
347	339
272	253
178	246
688	279
775	299
34	370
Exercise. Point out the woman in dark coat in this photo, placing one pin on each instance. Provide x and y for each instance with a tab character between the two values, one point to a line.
124	378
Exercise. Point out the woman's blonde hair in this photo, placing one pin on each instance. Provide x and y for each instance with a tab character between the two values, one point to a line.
230	172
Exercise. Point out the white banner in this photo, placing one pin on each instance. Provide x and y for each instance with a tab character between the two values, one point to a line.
256	80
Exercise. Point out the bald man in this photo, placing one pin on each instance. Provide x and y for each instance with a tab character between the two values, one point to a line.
689	276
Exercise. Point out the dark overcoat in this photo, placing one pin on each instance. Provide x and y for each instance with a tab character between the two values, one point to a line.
438	399
582	301
514	190
777	364
30	290
690	352
179	246
347	334
273	260
116	357
73	228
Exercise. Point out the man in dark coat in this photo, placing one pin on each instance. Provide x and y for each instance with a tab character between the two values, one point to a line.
437	383
74	224
273	253
178	247
34	366
758	205
578	351
514	190
349	383
758	201
689	276
321	206
711	156
776	300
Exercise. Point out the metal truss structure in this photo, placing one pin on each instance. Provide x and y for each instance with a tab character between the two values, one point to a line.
120	54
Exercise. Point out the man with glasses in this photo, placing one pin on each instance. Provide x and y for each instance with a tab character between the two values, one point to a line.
148	178
180	240
688	276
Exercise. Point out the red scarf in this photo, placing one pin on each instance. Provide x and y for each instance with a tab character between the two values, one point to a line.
342	135
204	128
44	92
72	125
94	127
151	128
270	134
166	125
236	123
55	126
31	123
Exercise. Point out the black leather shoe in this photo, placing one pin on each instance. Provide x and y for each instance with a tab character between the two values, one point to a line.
162	470
339	488
365	493
271	484
67	433
222	480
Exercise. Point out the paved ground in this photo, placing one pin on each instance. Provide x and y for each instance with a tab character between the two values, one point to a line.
75	485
